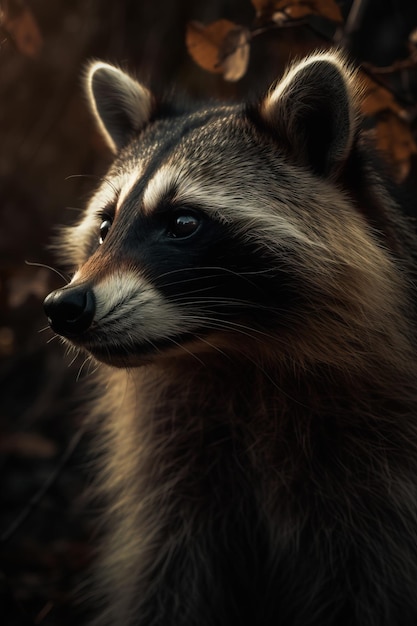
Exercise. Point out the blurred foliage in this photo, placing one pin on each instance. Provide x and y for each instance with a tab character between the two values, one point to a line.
50	157
223	47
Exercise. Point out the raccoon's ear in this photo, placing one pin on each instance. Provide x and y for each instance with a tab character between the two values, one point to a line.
121	105
313	110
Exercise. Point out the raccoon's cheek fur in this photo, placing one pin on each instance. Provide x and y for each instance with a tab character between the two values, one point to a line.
124	320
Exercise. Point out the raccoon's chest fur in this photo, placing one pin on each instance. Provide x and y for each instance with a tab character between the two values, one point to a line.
242	504
246	279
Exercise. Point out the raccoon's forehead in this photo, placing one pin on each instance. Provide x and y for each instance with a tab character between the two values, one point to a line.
198	160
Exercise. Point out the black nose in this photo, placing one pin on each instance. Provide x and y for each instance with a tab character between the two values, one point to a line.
70	310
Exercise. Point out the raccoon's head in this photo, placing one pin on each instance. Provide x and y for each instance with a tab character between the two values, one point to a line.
221	227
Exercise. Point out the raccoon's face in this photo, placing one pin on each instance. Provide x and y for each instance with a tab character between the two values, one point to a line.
205	232
161	264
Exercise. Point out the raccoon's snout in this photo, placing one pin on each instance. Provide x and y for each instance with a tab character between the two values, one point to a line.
70	310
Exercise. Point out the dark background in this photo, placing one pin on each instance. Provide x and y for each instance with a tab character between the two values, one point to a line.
50	155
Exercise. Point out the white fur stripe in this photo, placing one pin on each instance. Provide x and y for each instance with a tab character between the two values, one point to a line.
135	311
227	203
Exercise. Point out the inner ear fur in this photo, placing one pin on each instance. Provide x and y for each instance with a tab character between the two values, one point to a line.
120	104
313	111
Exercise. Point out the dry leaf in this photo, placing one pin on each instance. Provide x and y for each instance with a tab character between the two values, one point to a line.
204	43
221	47
393	134
234	53
376	98
395	139
296	9
24	30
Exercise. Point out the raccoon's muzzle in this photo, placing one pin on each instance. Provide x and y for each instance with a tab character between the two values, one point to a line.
70	310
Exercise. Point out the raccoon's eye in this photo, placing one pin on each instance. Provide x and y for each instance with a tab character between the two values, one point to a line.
183	225
104	229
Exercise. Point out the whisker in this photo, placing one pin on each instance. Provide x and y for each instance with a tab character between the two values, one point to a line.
211	345
71	176
86	360
216	267
183	298
109	182
253	333
42	330
91	372
99	178
221	325
189	280
154	346
133	343
48	267
185	349
75	357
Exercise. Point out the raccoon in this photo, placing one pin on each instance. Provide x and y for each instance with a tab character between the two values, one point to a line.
245	279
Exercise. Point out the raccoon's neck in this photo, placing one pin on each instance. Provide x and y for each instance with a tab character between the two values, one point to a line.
202	455
271	414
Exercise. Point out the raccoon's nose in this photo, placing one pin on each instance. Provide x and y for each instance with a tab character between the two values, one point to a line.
70	310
